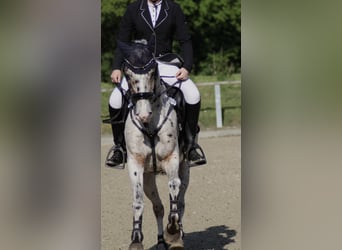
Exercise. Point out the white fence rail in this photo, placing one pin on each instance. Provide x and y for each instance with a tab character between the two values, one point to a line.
217	91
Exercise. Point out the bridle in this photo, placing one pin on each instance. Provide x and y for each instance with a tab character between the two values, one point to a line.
135	97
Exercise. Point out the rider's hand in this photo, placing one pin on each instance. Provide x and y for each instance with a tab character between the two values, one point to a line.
182	74
116	76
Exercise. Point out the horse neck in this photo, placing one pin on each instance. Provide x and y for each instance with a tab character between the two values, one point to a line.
159	88
160	105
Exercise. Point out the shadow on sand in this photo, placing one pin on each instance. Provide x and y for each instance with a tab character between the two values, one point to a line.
213	238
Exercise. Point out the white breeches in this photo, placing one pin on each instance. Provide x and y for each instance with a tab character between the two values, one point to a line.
167	73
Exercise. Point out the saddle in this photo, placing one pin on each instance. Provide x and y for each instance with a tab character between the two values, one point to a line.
172	59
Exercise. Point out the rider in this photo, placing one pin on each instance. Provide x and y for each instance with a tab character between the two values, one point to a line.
160	20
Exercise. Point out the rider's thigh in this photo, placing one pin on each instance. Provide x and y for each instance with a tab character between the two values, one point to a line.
190	92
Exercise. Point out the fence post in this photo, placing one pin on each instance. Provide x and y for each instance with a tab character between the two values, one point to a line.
218	106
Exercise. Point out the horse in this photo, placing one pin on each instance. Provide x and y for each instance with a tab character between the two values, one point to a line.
153	147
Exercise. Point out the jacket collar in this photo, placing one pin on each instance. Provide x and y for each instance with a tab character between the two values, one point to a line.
145	14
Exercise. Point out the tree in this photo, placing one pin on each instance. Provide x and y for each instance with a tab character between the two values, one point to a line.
216	33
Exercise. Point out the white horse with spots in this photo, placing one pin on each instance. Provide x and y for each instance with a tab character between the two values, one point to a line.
151	133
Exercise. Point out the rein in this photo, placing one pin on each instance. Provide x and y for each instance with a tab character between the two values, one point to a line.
168	87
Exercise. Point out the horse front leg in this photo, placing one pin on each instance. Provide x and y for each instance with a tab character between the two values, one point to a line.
184	175
136	172
151	191
173	232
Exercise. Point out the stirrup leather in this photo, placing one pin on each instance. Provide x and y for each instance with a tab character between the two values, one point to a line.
201	161
111	153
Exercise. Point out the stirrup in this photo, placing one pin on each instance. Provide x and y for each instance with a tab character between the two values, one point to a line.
201	161
111	153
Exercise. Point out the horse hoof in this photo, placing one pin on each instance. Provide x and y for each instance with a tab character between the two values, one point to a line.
173	239
162	246
136	246
178	245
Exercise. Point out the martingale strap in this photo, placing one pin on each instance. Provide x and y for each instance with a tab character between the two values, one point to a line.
151	134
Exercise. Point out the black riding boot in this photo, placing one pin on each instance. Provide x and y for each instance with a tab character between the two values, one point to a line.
117	154
194	152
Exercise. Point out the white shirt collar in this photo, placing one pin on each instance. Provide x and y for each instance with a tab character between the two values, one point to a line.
152	5
154	10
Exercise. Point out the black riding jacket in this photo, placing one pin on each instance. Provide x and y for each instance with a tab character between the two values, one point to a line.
171	24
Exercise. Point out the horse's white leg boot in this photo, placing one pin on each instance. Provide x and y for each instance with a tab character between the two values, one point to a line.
136	175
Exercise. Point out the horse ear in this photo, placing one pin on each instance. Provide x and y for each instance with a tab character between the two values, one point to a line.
124	47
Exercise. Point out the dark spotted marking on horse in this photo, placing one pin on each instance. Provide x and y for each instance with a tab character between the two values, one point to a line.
135	173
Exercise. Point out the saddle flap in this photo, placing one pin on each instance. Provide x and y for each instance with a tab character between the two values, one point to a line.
171	58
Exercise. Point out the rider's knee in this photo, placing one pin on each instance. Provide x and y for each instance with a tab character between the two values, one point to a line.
190	92
115	100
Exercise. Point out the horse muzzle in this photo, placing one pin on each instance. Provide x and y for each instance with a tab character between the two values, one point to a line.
142	104
143	111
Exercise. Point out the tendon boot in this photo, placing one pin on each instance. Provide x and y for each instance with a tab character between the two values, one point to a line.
116	156
194	152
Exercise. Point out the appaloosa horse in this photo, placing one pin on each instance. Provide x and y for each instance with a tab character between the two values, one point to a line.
152	141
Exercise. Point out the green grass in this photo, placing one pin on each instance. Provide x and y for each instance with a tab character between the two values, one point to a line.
201	78
230	102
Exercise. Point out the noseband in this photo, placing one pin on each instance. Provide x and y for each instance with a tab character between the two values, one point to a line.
150	96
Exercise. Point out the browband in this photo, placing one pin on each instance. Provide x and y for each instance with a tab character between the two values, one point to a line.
141	69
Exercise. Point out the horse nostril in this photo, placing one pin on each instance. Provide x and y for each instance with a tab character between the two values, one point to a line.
143	119
145	116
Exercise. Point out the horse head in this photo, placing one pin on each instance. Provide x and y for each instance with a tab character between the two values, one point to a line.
140	70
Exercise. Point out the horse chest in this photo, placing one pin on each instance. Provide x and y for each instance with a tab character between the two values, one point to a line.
163	146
